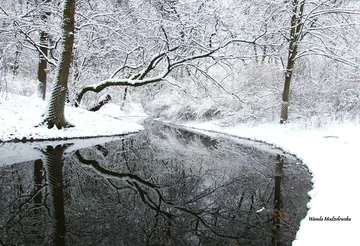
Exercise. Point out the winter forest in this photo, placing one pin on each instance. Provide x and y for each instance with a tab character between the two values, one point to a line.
191	122
236	61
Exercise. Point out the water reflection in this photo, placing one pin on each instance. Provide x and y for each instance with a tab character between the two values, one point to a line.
38	181
278	214
163	186
54	167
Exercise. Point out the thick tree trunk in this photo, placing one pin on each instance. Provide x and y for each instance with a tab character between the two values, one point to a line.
295	36
55	112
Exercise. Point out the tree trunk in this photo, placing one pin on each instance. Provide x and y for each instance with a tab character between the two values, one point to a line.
42	67
295	37
15	66
55	111
124	98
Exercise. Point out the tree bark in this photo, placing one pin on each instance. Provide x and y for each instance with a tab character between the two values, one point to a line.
295	37
55	111
42	67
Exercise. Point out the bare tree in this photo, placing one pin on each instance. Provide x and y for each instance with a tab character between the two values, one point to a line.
311	35
55	111
297	13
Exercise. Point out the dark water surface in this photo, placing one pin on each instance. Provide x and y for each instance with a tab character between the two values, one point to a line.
163	186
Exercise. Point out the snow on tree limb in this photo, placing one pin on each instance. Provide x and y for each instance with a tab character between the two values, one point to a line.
30	40
140	79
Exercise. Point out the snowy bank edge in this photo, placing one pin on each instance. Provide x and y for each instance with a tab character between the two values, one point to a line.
65	138
264	145
13	152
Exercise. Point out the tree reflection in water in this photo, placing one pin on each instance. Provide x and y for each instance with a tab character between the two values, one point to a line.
163	186
54	167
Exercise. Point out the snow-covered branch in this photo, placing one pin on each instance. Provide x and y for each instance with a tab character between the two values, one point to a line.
30	40
160	62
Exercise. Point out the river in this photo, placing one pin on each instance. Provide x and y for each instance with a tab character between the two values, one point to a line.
162	186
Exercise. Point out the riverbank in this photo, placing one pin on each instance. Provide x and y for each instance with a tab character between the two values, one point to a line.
19	115
331	154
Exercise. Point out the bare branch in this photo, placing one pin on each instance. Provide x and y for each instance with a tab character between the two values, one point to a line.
139	79
30	40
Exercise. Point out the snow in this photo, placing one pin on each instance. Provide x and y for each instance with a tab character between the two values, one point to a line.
129	110
329	152
20	114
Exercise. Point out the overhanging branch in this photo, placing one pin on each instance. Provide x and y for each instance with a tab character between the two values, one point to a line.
140	78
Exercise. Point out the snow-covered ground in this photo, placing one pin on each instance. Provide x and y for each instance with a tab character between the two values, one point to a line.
329	152
19	115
